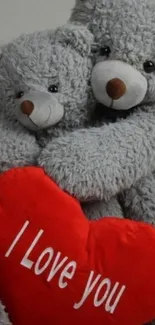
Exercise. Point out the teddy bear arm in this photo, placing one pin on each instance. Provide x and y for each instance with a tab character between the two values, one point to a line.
17	148
139	202
4	320
99	163
99	209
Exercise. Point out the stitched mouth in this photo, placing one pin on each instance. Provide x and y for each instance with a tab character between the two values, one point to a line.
37	126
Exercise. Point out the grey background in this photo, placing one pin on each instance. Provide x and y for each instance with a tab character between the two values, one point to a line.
18	16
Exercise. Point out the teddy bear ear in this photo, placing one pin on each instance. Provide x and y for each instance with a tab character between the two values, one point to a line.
76	36
89	4
0	53
82	11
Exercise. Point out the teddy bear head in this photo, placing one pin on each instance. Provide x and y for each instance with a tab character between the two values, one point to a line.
124	76
45	78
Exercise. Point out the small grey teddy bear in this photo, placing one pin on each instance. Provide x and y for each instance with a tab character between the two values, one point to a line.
47	81
45	93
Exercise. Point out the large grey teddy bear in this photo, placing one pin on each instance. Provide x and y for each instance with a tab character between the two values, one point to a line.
124	79
45	93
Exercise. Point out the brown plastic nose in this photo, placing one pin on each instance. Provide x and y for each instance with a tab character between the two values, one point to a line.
27	107
116	88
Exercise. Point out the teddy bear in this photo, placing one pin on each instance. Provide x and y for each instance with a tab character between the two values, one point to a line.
123	80
50	95
45	93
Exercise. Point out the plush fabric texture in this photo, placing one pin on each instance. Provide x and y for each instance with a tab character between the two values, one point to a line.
62	268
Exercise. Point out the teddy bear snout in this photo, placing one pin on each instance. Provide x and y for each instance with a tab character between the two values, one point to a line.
118	85
116	88
27	107
39	110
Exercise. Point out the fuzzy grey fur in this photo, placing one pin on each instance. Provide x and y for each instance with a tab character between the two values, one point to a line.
33	62
4	320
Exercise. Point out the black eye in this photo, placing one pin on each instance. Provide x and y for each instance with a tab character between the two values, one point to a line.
20	94
149	66
53	88
105	51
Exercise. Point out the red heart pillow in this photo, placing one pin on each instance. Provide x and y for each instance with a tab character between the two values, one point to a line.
57	268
